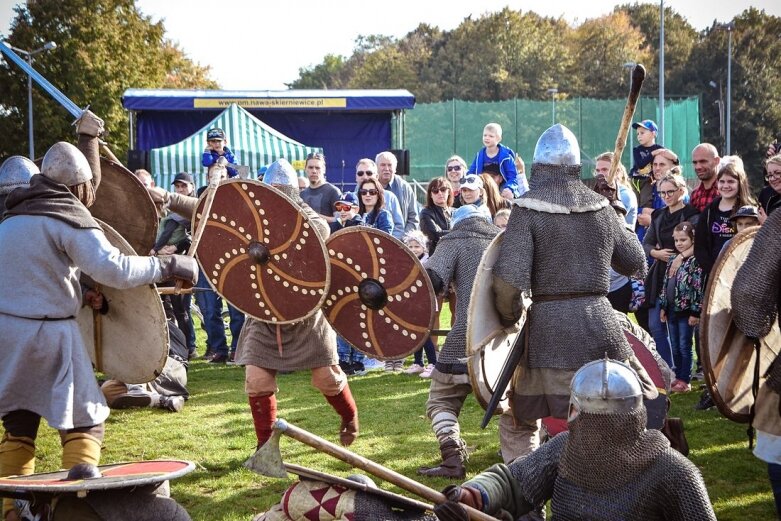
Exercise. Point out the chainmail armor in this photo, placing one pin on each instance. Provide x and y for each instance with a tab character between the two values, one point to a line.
607	450
560	255
670	488
756	290
558	189
456	260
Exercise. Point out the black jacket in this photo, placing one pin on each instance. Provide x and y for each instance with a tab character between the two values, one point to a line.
703	238
435	223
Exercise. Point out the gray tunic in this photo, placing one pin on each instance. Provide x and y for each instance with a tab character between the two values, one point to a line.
45	366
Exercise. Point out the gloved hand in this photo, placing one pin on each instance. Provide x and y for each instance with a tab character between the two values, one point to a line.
179	267
89	124
463	494
450	511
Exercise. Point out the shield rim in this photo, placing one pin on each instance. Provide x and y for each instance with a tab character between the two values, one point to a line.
707	362
22	486
300	210
426	281
119	242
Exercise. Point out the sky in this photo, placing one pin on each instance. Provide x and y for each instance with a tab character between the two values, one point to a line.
261	45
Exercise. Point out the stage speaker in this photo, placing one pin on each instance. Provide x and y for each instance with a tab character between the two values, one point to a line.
137	159
402	156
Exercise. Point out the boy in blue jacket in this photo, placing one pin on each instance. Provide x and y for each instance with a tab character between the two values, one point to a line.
499	161
216	146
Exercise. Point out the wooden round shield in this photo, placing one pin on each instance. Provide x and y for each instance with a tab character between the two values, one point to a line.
728	356
381	300
488	343
130	342
123	203
261	253
114	476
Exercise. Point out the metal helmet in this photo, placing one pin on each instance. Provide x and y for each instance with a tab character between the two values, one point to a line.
557	146
280	172
15	172
605	387
65	164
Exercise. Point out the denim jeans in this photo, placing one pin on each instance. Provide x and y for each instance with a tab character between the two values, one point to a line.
659	332
431	353
681	344
346	352
210	304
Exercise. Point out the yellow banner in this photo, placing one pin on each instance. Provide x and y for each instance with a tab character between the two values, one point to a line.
270	103
298	164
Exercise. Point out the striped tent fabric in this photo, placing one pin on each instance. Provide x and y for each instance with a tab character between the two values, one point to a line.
254	144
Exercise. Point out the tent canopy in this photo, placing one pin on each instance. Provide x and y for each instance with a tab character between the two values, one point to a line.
253	143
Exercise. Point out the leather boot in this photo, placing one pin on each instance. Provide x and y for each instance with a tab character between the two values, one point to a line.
264	414
453	457
344	404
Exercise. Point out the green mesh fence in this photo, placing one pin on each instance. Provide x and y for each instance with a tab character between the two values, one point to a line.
435	131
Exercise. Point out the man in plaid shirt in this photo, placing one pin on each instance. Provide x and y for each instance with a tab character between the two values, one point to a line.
705	159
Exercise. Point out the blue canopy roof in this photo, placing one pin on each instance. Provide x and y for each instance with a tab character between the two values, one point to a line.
288	100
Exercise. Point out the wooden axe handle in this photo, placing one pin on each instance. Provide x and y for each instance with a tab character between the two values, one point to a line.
638	76
214	182
380	471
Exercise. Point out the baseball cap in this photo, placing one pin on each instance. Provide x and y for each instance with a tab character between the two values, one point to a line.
215	133
348	198
746	211
472	182
646	124
183	177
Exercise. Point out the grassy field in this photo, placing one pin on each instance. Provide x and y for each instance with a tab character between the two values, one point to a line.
215	431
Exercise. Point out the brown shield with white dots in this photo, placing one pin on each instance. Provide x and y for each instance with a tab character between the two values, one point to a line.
380	299
261	253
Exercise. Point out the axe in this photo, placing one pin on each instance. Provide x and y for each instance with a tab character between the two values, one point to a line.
267	461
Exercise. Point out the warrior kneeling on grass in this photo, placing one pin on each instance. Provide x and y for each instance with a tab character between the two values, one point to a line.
308	344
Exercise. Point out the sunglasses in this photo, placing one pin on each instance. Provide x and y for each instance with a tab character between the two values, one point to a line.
361	173
440	190
370	191
455	168
342	207
315	155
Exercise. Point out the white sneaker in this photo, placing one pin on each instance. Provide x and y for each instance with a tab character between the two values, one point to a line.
414	369
390	365
426	373
398	365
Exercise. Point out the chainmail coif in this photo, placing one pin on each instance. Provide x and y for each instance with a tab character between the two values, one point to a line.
558	189
608	450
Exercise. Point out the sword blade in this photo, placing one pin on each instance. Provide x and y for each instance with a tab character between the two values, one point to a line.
512	361
50	89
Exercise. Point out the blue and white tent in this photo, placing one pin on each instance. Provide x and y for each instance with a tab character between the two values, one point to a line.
254	144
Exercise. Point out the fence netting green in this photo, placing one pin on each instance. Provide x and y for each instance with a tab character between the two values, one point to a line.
435	131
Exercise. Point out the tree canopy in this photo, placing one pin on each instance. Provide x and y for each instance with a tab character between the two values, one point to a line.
103	48
514	54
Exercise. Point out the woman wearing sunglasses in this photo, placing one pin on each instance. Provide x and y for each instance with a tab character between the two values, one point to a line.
659	244
455	169
372	206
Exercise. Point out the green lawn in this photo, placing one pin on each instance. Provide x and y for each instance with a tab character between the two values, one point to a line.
215	431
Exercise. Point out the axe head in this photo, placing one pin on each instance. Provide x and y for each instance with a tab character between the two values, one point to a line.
267	460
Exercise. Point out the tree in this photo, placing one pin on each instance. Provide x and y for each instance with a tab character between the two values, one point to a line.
679	40
327	75
756	92
601	46
103	48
